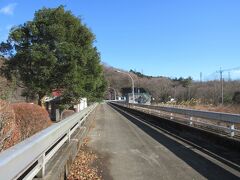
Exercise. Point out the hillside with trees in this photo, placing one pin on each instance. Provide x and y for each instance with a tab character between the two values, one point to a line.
184	91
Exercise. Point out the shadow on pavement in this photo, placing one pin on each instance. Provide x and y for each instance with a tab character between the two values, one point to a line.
202	165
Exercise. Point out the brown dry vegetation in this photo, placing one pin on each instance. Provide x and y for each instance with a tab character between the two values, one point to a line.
30	118
19	121
227	109
9	132
82	167
85	164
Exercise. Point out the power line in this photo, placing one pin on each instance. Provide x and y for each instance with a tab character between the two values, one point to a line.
221	78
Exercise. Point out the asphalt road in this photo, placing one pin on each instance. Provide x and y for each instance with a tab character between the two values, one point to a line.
133	150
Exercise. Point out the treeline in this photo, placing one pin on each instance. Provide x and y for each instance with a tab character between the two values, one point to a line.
54	51
141	75
164	89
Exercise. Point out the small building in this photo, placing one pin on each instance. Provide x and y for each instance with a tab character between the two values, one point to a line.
82	105
53	107
140	98
140	94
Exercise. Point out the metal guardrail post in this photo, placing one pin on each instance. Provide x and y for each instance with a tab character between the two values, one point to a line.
232	128
42	161
69	135
171	116
190	121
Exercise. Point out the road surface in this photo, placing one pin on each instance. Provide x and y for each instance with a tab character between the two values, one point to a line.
133	150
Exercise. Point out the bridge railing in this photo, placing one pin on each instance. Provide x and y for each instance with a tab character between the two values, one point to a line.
28	158
219	121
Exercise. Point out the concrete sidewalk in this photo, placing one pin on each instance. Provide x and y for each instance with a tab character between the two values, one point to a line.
129	152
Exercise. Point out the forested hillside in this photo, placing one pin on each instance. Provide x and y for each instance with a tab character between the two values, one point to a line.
183	90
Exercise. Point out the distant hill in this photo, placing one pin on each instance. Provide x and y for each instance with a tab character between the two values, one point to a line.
164	89
152	85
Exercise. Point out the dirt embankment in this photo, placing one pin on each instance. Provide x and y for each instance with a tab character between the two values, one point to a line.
19	121
228	108
235	109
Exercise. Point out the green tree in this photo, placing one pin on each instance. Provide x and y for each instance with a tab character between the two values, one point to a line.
54	51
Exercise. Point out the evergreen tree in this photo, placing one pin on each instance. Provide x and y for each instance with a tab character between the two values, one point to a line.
54	51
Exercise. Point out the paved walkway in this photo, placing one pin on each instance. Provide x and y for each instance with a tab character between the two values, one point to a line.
132	151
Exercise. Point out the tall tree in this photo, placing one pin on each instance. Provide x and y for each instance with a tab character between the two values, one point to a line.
54	51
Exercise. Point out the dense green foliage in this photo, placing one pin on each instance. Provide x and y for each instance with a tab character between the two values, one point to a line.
54	51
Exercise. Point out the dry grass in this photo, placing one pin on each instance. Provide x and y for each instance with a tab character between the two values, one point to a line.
235	109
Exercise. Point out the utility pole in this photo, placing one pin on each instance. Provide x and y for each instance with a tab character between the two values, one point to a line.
200	77
221	79
189	93
229	76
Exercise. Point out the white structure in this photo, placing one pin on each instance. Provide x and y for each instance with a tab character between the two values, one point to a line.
82	105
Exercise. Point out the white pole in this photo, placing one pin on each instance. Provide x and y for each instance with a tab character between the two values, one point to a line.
132	88
132	84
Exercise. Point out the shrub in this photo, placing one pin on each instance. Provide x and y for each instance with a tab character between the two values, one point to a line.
9	132
20	121
30	118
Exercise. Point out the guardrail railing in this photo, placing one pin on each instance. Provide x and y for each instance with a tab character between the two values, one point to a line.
190	116
28	158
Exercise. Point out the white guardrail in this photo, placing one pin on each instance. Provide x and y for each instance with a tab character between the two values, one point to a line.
28	158
231	119
227	117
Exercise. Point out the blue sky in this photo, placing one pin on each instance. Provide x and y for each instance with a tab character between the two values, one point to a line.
159	37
